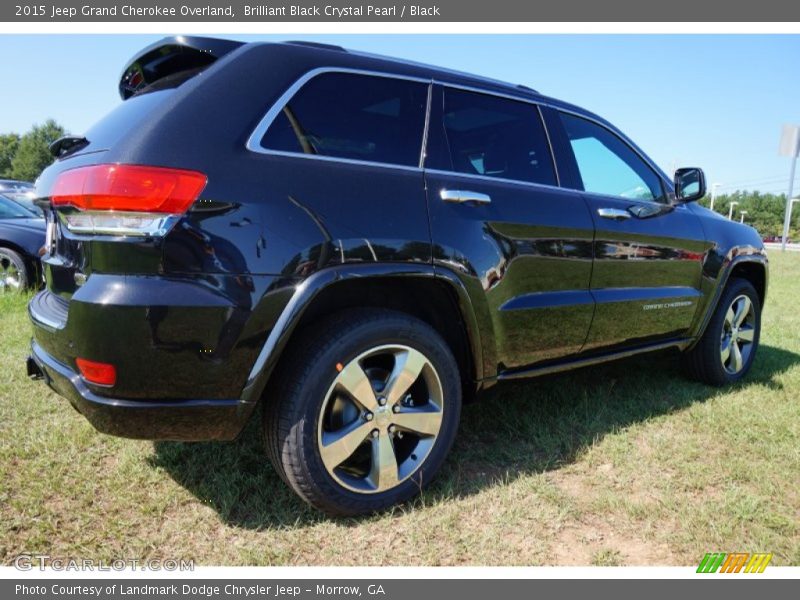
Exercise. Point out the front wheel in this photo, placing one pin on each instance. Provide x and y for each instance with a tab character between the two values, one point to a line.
363	412
726	351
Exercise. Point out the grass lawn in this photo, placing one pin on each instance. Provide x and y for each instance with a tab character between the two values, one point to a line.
627	463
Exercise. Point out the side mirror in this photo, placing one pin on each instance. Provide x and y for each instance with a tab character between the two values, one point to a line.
690	184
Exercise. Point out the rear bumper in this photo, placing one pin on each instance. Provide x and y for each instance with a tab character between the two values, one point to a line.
185	420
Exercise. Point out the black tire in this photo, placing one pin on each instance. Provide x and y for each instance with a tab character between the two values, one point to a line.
14	275
305	377
704	362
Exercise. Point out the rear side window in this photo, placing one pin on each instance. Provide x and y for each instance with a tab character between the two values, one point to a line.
360	117
608	165
496	137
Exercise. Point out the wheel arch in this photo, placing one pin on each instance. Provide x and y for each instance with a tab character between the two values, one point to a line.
435	296
750	264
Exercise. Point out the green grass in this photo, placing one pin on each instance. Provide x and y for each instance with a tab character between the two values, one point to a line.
627	463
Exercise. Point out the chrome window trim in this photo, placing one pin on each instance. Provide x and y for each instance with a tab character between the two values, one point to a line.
656	170
513	98
469	88
635	200
489	179
423	152
549	145
337	159
254	141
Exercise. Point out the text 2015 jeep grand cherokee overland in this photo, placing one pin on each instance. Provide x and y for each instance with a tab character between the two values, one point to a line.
358	243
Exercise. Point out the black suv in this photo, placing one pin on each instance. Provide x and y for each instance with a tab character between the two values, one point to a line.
358	244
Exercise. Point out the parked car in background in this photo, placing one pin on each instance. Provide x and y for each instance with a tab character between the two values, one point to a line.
22	236
21	192
359	244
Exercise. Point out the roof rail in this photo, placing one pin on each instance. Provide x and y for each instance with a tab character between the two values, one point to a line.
319	45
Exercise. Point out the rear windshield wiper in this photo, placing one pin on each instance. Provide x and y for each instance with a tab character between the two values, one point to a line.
67	144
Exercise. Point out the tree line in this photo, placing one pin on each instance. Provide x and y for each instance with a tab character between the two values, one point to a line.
764	211
23	157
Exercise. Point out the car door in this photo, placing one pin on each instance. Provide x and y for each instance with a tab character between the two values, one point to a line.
648	251
500	222
339	158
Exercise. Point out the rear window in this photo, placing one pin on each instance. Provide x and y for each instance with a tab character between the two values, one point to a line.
358	117
496	137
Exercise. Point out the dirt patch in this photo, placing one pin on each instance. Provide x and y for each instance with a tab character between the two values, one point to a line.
580	540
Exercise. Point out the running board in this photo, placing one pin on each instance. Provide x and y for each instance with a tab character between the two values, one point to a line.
588	361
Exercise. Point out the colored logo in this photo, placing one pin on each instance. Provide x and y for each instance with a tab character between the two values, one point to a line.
736	562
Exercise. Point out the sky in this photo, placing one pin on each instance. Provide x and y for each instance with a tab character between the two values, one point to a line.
713	101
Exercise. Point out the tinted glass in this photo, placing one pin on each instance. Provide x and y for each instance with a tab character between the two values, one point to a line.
11	210
496	137
361	117
608	165
15	186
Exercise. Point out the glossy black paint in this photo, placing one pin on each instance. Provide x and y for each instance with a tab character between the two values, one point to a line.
540	281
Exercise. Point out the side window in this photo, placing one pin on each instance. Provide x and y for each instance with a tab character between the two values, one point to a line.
346	115
608	165
496	137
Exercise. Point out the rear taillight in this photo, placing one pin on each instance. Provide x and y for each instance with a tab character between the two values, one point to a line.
125	199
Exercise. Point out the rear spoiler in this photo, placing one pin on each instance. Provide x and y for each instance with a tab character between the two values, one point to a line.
170	56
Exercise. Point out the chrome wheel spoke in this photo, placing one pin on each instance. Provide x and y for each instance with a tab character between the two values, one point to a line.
338	446
736	357
746	334
355	382
384	472
725	352
742	309
408	366
424	422
729	316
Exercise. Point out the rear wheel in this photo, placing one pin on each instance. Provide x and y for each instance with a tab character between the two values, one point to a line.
364	411
726	351
13	273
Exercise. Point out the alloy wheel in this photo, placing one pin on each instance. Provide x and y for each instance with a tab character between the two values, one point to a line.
10	277
380	418
738	333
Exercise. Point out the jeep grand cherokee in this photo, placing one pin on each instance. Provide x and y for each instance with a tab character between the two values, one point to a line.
358	244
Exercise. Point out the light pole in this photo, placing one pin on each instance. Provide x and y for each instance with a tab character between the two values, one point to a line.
714	187
790	146
741	216
730	210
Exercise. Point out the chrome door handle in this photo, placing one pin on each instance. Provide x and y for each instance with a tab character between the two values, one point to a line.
616	214
462	196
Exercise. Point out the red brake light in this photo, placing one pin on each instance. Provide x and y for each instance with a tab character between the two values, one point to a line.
132	188
97	372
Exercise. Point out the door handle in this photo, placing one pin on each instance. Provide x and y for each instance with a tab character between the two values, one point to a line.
461	196
616	214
